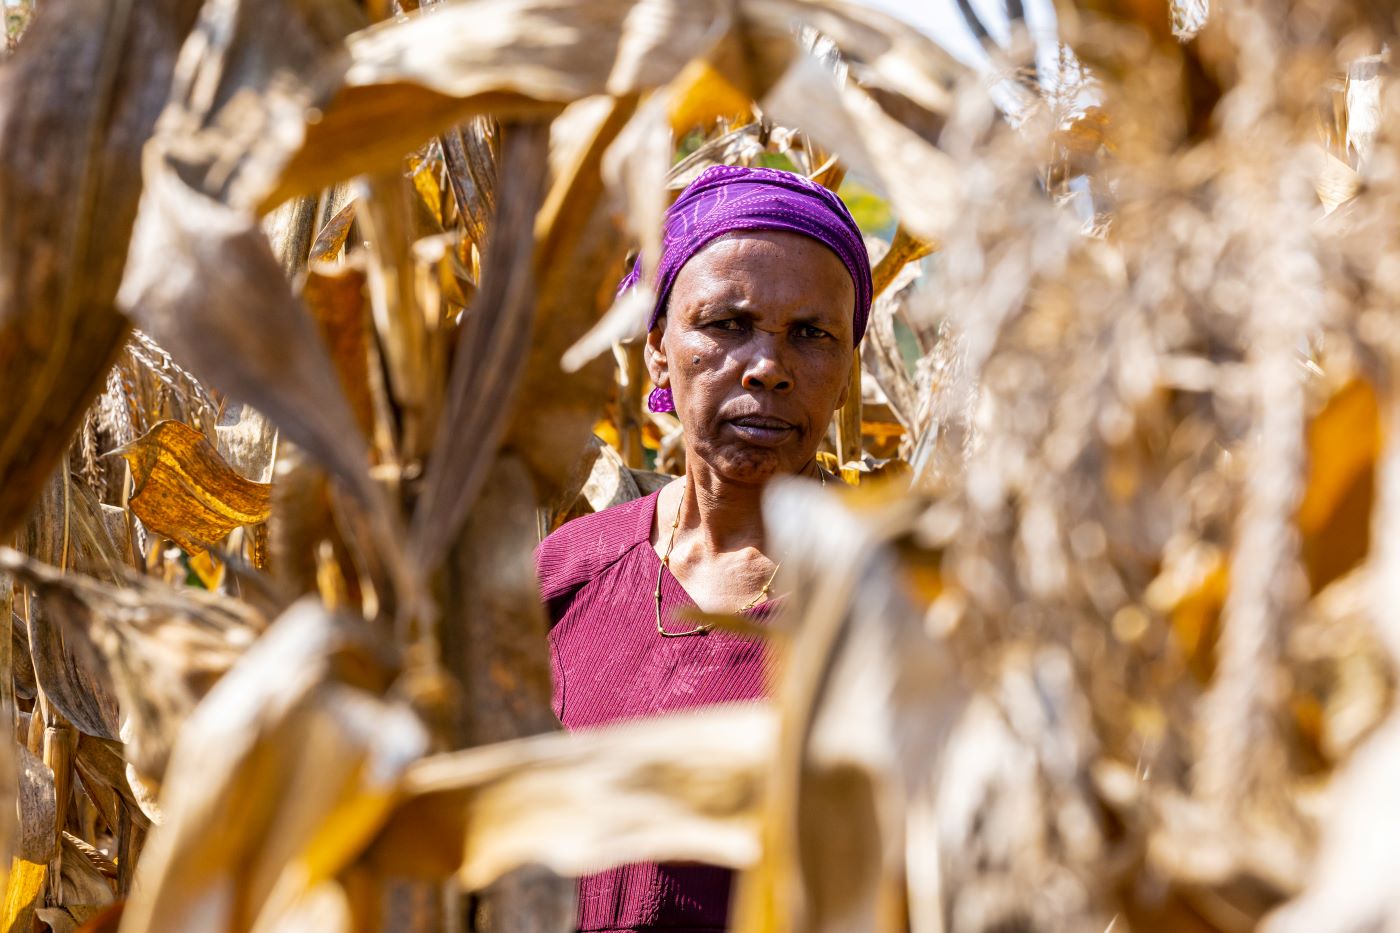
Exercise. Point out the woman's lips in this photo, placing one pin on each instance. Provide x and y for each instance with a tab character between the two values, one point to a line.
762	430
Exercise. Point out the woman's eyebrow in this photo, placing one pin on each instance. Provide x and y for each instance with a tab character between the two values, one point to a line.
725	309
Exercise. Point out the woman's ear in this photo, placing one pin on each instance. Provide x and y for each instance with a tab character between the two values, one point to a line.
655	355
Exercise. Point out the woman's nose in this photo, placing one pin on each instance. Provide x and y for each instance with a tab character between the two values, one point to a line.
766	371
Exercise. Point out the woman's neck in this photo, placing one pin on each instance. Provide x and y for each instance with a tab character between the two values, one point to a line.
723	516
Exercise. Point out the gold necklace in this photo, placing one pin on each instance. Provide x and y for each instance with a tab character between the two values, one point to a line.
703	628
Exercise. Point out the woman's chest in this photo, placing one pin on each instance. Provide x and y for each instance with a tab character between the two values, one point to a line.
611	664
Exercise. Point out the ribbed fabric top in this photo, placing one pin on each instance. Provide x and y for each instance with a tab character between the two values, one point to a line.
597	576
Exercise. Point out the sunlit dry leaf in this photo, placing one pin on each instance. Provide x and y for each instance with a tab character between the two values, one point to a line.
75	678
291	762
517	58
685	787
164	647
330	239
918	176
22	894
184	490
904	249
703	94
867	700
290	229
609	481
103	770
86	878
423	173
336	299
494	341
1344	443
247	440
92	94
579	265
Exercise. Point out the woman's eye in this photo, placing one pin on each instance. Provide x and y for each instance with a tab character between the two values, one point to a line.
811	332
728	323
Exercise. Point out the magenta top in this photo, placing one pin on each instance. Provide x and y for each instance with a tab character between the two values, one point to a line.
597	576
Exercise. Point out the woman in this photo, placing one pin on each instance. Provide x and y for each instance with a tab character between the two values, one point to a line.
763	290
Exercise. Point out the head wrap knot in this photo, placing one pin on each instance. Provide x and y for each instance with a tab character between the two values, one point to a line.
729	198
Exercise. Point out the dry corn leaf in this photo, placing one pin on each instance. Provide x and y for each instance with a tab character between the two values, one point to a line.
253	339
91	94
38	809
868	699
402	326
290	229
424	175
579	264
22	894
1344	445
336	299
247	440
233	317
164	647
904	249
679	788
86	878
183	489
704	94
330	240
260	345
103	770
919	177
291	763
516	58
468	151
72	675
494	341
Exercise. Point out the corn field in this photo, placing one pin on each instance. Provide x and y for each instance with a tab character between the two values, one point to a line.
308	334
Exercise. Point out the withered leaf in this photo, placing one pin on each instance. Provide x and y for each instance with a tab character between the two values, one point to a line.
183	488
335	296
493	343
38	808
1344	446
521	59
72	674
164	647
330	239
92	94
684	787
22	894
291	763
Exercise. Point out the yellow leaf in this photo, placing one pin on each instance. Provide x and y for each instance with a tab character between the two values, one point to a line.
425	182
1344	442
331	238
184	490
704	95
335	296
209	569
22	895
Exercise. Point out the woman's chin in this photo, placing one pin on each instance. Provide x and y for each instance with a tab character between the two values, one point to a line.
756	465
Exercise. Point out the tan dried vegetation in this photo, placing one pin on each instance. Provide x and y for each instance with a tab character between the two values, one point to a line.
307	334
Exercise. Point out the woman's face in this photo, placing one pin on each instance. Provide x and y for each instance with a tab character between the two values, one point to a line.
756	348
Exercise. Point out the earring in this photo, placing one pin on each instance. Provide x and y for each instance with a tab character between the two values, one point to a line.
660	400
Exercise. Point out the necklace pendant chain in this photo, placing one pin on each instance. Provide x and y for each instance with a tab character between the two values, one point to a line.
704	628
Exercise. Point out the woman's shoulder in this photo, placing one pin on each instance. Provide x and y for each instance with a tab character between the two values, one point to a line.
581	549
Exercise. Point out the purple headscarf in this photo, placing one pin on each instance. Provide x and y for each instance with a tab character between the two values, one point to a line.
726	198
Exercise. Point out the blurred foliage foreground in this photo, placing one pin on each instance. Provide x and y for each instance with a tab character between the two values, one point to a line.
307	334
